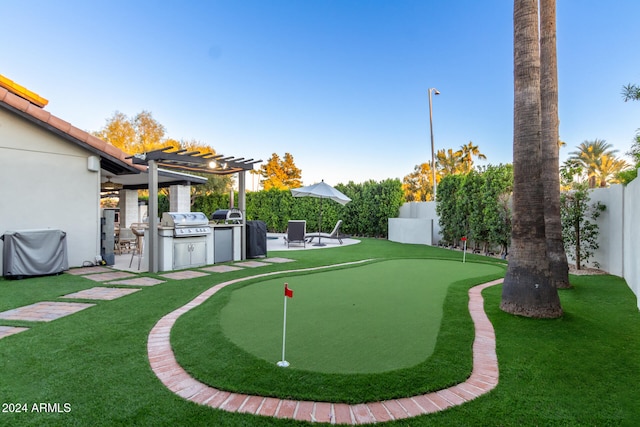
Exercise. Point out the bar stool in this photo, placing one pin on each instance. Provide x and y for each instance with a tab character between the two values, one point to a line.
138	231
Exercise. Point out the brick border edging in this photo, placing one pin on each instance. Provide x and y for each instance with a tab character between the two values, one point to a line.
484	376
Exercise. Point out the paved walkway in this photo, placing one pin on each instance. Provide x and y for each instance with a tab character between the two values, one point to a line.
484	376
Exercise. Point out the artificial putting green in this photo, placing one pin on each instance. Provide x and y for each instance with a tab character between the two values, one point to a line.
367	319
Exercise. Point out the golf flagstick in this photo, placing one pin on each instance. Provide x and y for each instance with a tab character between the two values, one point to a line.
288	293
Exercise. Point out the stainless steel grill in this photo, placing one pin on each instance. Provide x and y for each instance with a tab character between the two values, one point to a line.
186	224
227	216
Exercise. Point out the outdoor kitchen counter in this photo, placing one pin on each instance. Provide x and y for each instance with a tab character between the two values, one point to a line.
222	244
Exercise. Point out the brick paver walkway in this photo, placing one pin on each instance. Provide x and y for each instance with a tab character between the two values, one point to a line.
251	264
484	376
45	311
221	268
184	274
138	281
89	270
278	260
5	331
101	293
112	275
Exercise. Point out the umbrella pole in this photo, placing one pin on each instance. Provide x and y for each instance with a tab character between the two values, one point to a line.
320	227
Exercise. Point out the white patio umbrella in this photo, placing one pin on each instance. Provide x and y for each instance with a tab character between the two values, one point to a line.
321	191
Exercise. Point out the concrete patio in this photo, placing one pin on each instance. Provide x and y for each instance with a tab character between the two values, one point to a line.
275	243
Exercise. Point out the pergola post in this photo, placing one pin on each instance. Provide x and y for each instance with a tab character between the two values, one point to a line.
152	250
242	205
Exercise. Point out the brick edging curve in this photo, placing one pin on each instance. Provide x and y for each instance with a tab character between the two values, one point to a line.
484	376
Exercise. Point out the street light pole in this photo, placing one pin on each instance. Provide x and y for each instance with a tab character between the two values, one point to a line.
433	153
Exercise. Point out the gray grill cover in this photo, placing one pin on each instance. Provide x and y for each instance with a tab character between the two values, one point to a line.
34	253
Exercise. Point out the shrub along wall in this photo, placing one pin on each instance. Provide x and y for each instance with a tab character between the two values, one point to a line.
475	206
372	204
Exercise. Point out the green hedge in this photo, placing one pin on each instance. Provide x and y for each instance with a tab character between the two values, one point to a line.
372	204
476	206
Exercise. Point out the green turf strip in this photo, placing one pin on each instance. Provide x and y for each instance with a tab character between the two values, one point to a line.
367	319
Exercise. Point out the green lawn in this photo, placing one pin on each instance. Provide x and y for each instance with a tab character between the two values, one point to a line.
583	369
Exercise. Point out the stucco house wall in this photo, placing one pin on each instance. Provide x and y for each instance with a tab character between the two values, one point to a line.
46	183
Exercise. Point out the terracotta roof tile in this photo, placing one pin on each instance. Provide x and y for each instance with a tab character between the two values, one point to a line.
38	113
16	102
78	134
112	150
96	142
59	124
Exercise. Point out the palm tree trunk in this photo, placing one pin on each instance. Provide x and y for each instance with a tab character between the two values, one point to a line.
558	264
527	289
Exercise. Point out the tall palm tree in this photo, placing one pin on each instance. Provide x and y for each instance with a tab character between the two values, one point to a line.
468	152
589	156
527	288
558	264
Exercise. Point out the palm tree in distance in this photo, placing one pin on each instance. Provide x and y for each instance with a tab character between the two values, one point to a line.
589	156
467	153
610	167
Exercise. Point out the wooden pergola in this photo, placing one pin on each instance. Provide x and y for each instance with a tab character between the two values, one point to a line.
190	161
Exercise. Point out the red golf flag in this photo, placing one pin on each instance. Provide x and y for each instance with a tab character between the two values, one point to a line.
288	292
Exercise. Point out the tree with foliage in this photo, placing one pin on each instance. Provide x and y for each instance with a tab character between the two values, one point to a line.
472	203
631	92
143	133
527	289
453	221
598	161
119	132
476	205
418	185
626	176
139	134
634	152
467	153
551	145
496	192
449	162
280	174
579	227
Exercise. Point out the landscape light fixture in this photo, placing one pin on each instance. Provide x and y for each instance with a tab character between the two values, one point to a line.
433	153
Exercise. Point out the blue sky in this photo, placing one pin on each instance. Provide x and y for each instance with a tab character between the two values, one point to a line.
342	85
